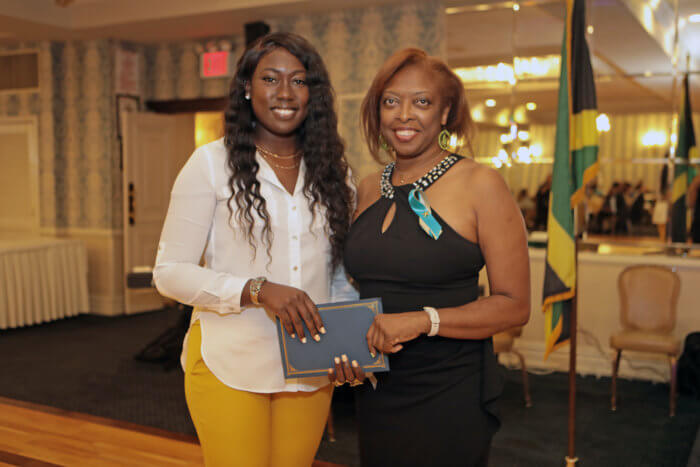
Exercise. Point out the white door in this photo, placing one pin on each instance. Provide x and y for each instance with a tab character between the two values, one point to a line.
19	175
155	147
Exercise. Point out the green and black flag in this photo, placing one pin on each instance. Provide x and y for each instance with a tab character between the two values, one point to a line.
686	150
575	164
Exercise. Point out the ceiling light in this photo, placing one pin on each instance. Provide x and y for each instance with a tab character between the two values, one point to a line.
523	155
546	66
589	29
648	18
654	138
523	135
530	106
694	18
490	102
516	7
602	123
536	150
519	115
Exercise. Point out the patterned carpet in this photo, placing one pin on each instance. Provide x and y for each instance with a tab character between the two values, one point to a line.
86	364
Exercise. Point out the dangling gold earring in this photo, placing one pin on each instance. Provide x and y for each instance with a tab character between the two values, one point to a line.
444	140
384	145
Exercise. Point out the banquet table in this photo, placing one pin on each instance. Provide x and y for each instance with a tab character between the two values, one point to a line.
41	279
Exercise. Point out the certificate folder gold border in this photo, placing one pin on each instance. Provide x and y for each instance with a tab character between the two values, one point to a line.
372	304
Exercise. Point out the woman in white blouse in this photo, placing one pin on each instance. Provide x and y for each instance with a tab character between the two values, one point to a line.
269	206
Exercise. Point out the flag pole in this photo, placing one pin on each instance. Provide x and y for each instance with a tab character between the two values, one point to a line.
571	458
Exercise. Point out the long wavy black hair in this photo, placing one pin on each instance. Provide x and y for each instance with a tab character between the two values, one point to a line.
322	148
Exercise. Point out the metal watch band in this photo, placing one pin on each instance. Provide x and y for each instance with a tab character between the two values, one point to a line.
255	286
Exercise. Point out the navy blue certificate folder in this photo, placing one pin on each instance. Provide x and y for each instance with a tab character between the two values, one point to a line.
346	326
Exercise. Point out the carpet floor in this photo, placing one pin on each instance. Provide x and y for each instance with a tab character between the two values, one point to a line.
85	364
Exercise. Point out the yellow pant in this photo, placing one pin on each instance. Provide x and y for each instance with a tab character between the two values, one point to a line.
241	428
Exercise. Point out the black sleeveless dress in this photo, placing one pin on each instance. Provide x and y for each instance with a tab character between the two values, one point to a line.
435	406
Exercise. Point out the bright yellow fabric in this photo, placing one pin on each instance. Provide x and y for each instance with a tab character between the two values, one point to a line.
240	428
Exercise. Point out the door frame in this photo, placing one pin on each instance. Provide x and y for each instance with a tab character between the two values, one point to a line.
29	126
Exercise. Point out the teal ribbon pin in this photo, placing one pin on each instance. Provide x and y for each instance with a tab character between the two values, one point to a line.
421	207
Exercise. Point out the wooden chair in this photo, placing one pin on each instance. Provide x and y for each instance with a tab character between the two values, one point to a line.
503	343
330	429
648	299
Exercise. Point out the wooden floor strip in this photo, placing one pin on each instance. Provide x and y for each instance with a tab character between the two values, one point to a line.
33	435
100	420
8	458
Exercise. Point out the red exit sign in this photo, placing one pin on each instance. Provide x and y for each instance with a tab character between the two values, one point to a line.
216	64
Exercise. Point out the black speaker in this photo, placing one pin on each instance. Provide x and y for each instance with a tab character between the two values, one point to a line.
255	30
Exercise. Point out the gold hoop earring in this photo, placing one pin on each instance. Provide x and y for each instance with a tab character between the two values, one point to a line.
444	139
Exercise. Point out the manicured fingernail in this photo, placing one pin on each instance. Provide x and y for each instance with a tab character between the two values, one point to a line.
317	338
294	336
336	360
373	354
303	340
344	357
354	363
323	330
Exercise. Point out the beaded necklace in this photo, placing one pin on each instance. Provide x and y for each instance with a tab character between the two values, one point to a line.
387	189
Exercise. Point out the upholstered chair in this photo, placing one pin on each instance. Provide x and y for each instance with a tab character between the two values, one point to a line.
648	299
503	343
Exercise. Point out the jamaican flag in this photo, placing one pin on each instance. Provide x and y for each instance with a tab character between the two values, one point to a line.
685	150
575	164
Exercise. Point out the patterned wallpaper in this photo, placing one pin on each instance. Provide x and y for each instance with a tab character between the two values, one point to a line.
86	169
171	70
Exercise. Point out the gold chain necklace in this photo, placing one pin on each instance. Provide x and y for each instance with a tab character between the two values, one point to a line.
266	152
403	178
287	167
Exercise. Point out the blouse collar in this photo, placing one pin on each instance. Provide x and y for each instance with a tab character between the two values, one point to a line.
267	173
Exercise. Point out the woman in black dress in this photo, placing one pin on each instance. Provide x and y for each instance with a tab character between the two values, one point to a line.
423	229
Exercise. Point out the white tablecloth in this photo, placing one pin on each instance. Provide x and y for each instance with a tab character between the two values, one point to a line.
41	279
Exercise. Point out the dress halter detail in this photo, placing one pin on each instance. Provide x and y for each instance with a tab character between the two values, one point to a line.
416	199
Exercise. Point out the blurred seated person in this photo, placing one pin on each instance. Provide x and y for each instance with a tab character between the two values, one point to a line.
594	203
527	207
660	215
542	204
636	203
621	225
694	204
608	212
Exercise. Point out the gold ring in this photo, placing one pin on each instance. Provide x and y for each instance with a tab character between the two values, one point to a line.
337	383
356	382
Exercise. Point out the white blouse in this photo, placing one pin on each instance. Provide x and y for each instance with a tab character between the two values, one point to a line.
239	344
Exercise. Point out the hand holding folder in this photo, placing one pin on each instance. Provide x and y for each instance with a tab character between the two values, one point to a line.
346	326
